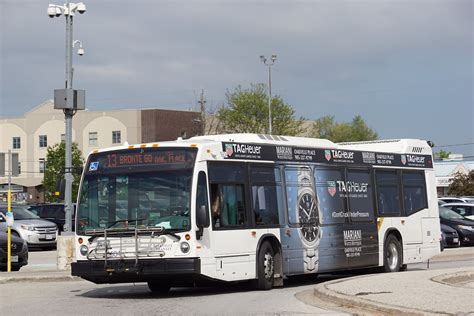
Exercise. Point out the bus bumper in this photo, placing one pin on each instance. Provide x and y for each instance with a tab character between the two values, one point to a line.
125	271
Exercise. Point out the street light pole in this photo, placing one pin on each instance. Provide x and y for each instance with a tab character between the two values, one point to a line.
68	114
269	64
55	11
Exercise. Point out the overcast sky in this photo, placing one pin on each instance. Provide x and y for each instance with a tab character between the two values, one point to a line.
405	66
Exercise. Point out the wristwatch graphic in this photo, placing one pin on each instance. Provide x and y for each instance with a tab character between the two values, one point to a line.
308	217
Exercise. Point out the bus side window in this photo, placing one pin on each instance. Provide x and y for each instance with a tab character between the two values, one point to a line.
361	202
414	191
266	194
388	193
228	205
265	205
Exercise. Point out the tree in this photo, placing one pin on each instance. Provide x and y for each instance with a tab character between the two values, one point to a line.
442	154
54	171
357	130
247	112
462	184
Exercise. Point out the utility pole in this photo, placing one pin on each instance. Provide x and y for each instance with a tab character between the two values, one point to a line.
269	64
202	104
67	99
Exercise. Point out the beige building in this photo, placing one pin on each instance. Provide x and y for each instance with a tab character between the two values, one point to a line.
31	134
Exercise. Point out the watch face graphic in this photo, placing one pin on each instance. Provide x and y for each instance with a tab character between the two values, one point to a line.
308	216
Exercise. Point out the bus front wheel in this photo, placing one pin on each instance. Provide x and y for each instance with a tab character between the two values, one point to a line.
266	267
392	254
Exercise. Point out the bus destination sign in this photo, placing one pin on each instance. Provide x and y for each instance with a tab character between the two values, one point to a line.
143	158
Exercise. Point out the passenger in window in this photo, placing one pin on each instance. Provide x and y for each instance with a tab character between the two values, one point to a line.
216	205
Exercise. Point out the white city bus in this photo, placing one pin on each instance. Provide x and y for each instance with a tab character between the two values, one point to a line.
253	207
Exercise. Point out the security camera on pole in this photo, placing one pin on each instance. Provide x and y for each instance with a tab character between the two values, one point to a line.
70	101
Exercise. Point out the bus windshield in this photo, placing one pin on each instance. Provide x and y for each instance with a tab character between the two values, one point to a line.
115	195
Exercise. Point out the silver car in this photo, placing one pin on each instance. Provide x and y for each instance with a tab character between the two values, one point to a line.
35	231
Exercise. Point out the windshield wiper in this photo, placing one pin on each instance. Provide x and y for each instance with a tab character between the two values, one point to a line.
166	231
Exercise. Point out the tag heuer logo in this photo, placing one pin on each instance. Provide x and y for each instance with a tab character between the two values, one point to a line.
332	188
327	154
404	159
228	150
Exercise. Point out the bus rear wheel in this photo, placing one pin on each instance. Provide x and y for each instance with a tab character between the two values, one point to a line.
159	287
266	267
392	254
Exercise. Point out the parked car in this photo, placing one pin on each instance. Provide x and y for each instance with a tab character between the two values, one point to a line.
463	226
36	231
456	199
464	209
449	237
19	252
54	212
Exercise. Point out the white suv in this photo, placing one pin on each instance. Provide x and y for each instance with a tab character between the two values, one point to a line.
35	231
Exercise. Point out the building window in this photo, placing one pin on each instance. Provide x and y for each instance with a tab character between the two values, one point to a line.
63	138
92	138
42	165
43	141
16	143
116	137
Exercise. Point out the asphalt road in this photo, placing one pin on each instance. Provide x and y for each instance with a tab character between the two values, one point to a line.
82	297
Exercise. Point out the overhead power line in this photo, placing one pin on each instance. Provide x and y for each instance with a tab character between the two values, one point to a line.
452	145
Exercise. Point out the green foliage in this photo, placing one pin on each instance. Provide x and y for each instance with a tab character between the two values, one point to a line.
462	184
247	112
54	171
357	130
442	154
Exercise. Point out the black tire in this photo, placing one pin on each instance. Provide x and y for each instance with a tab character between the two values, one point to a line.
16	268
393	254
159	287
265	267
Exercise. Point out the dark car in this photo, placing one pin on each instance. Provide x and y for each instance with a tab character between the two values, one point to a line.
450	237
464	209
463	226
19	252
54	212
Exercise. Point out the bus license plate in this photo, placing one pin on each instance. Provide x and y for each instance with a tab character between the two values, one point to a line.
14	258
49	237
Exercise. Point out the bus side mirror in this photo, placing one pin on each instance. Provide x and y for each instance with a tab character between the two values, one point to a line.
202	220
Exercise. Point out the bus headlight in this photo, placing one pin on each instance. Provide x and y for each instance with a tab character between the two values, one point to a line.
185	247
83	250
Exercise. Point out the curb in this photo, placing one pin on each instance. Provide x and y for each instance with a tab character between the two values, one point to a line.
323	292
47	277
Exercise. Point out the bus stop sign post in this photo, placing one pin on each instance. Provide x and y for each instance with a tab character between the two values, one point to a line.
9	216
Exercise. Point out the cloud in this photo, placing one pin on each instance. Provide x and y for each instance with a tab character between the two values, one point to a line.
377	58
